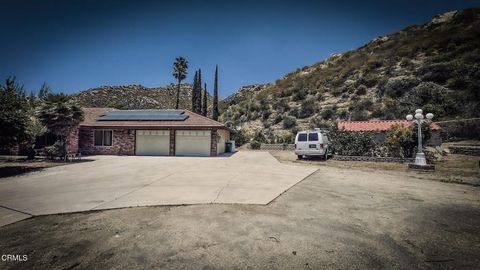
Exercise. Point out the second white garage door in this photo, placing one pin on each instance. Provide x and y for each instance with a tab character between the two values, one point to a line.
192	143
152	142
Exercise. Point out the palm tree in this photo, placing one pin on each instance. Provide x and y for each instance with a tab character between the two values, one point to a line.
180	73
60	114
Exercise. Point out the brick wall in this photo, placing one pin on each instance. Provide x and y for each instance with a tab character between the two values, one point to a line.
123	143
213	144
172	142
72	141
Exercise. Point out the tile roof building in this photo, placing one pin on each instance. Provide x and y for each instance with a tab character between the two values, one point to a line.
380	127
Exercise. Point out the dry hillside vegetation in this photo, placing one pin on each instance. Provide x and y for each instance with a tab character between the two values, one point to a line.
435	66
136	97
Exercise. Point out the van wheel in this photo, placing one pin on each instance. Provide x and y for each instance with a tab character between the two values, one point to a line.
299	156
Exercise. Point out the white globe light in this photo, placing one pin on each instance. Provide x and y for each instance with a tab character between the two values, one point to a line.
409	117
429	116
419	116
419	111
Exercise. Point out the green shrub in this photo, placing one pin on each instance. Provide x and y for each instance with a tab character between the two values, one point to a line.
400	142
281	105
352	143
266	114
327	113
318	122
431	97
436	72
287	138
294	112
57	150
361	90
365	104
359	115
239	137
299	95
255	144
307	108
342	114
398	86
277	119
259	137
289	122
369	80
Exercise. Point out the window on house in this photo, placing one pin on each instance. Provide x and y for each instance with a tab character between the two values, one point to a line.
312	137
102	138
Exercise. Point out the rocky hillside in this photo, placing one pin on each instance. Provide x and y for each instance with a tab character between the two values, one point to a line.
135	97
435	66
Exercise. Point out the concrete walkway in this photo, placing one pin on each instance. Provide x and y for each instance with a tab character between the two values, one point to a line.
126	181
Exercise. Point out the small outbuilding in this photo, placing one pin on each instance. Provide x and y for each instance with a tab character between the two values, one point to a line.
380	127
148	133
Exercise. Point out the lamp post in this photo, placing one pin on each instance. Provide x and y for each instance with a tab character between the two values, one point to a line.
419	119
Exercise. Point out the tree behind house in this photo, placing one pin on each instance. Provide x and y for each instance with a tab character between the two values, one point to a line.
215	112
14	117
198	100
204	101
194	91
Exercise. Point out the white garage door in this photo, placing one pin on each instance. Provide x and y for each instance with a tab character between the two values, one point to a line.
192	143
152	142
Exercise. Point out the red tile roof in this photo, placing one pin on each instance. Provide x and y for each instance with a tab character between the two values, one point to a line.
377	125
193	121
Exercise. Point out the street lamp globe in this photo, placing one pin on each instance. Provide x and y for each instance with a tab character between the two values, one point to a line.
409	117
418	116
429	116
418	111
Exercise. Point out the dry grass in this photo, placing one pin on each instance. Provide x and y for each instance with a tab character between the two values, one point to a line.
18	166
453	168
459	167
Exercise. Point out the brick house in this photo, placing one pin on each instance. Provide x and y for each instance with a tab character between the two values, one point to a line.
380	127
106	131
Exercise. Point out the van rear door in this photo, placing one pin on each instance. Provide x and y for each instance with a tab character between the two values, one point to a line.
313	142
302	142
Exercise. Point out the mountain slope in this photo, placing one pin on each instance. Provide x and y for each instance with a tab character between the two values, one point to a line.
435	66
135	97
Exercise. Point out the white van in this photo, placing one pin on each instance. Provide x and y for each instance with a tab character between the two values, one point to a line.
311	143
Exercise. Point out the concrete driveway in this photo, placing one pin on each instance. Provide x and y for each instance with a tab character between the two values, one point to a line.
127	181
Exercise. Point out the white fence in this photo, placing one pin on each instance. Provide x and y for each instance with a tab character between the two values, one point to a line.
374	159
277	147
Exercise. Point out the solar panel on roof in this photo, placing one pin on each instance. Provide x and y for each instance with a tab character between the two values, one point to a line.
152	115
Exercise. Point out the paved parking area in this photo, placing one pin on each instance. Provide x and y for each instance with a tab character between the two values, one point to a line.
126	181
337	218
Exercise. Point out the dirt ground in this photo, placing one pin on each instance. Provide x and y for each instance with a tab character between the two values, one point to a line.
452	168
338	218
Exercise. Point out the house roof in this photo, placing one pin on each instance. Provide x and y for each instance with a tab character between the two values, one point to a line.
377	125
192	121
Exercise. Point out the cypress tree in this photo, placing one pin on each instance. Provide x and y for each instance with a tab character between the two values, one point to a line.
198	97
215	112
204	101
194	91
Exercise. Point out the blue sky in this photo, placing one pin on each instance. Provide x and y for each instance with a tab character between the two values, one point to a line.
74	45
